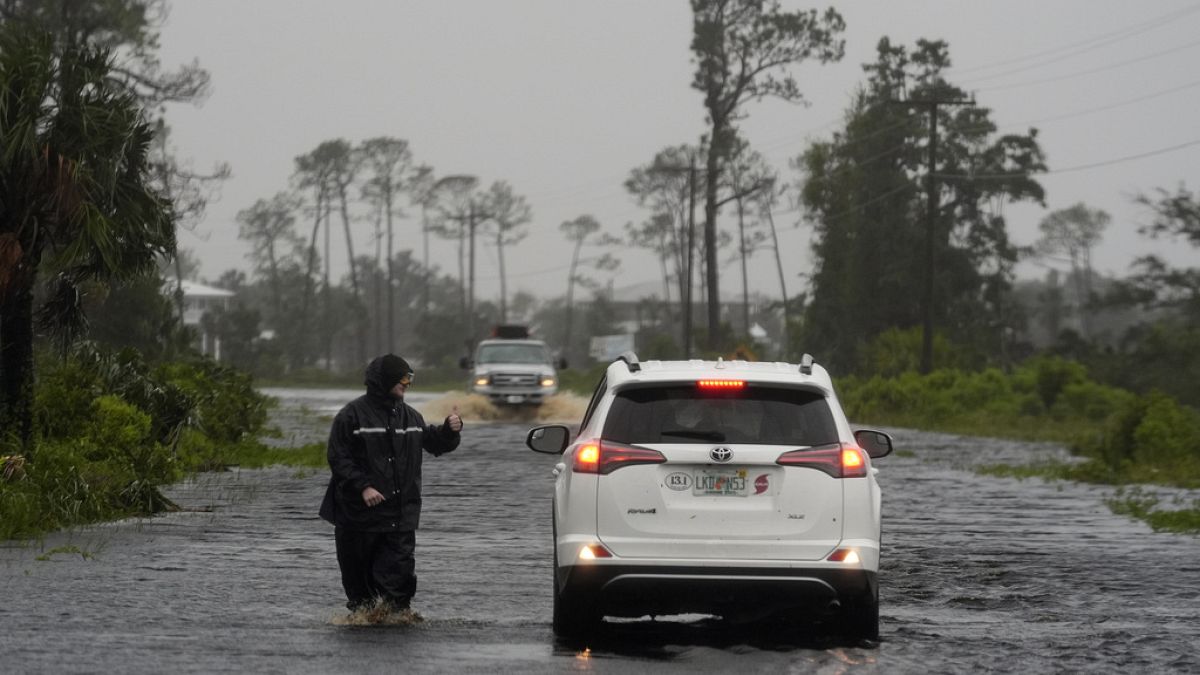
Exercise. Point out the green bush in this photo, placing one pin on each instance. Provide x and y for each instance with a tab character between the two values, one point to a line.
1089	400
109	467
110	430
1052	375
227	408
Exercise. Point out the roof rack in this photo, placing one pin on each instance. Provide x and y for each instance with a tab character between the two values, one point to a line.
806	364
631	361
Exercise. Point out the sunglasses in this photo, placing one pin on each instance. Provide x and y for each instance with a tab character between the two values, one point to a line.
407	379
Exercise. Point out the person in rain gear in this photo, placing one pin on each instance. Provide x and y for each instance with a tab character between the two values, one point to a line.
374	494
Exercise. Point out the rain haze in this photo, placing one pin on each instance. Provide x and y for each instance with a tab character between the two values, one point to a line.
563	98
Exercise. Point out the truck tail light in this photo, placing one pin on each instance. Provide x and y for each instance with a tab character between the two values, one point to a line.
839	460
604	457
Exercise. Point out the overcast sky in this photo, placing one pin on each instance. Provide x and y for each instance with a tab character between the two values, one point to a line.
561	98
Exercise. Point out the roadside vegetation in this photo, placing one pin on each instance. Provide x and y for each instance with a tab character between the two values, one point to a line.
1120	437
112	430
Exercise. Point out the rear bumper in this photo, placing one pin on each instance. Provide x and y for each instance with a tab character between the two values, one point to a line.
637	590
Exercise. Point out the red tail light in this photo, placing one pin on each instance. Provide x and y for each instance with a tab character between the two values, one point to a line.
604	457
838	460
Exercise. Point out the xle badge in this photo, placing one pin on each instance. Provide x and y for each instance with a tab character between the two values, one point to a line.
761	484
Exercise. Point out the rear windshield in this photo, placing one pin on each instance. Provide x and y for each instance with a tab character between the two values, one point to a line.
688	414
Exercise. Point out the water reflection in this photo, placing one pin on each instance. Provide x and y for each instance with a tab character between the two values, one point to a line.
670	640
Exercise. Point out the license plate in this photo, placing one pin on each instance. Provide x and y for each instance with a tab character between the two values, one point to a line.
515	399
724	482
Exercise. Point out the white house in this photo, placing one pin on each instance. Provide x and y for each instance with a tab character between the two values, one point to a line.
198	299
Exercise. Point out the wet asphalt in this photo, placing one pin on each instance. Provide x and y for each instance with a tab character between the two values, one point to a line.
978	574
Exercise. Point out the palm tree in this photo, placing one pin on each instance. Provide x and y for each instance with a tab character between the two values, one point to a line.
75	202
390	161
508	212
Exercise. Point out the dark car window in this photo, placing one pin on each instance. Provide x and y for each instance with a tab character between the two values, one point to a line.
688	414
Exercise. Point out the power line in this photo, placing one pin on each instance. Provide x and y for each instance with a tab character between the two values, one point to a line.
1106	38
1095	43
1110	106
1070	169
1093	71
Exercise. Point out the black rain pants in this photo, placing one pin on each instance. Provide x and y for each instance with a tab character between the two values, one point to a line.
377	565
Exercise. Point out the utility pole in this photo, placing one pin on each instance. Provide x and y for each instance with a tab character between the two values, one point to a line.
932	206
471	271
691	244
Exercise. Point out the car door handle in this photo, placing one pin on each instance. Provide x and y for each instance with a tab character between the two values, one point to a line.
558	468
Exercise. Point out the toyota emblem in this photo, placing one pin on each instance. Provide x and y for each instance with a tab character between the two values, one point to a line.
720	454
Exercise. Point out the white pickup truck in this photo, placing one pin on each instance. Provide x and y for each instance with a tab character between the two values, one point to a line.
513	368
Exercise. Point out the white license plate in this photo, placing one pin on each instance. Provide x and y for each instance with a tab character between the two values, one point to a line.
721	482
515	399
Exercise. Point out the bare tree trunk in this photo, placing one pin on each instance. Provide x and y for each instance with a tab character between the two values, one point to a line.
179	289
308	274
712	175
426	275
376	281
571	298
462	271
328	328
503	282
359	323
471	283
787	340
16	359
391	271
745	277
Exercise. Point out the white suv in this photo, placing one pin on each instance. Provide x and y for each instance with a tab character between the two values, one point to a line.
727	487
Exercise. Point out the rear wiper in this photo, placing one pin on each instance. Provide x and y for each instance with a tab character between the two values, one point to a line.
702	435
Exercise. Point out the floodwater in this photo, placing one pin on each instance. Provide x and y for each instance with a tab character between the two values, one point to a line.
978	573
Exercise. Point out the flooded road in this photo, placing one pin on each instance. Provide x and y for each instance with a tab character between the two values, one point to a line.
978	573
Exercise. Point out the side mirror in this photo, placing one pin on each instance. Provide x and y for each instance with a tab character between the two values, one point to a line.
465	363
561	364
551	439
876	443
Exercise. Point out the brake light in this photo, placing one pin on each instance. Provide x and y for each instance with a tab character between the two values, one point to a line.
604	457
837	460
587	458
721	384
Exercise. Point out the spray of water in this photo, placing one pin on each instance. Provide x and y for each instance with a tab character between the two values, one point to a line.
378	614
563	407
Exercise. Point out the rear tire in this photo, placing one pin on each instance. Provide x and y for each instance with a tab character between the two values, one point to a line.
572	619
861	617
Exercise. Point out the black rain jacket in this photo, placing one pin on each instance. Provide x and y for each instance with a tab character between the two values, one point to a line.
376	441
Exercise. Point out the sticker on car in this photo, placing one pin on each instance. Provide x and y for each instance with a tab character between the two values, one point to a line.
678	481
